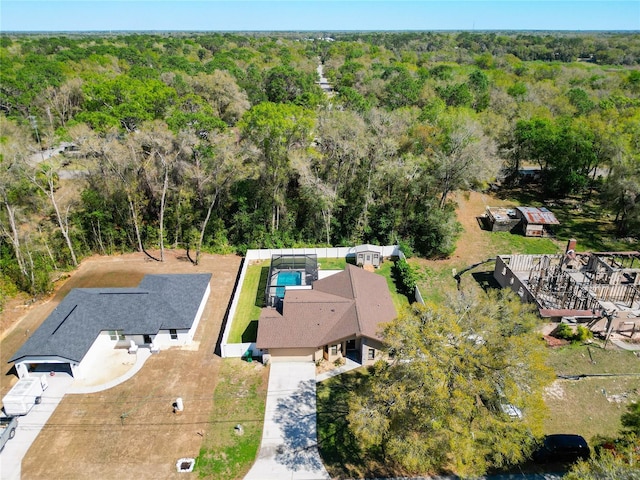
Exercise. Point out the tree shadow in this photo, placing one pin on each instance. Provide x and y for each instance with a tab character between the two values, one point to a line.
296	416
262	287
340	450
251	332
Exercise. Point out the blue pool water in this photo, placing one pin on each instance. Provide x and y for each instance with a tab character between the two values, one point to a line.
285	279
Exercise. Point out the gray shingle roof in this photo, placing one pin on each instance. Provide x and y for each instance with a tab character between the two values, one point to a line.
160	302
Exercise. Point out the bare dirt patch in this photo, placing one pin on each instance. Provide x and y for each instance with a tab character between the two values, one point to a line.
473	244
131	430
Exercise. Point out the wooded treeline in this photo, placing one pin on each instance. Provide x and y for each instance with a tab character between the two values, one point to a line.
223	142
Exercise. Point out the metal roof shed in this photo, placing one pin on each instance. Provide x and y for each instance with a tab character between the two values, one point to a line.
536	221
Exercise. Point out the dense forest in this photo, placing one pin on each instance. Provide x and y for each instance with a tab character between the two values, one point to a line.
223	142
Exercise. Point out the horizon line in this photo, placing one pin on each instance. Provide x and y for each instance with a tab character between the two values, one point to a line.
13	32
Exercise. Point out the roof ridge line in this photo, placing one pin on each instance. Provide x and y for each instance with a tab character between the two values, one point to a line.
355	301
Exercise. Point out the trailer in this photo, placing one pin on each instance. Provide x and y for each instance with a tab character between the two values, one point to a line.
24	395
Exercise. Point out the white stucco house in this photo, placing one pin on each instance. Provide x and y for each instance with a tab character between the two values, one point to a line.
161	312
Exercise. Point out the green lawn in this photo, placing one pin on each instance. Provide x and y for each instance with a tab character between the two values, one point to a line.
504	243
239	398
400	301
591	406
582	218
332	263
245	322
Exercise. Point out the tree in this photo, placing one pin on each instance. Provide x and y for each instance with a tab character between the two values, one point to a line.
124	102
213	168
61	103
274	130
221	91
466	156
343	146
444	400
622	193
161	152
117	170
14	145
285	84
402	89
566	150
44	176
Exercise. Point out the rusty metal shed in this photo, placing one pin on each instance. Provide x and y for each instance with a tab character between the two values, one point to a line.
535	221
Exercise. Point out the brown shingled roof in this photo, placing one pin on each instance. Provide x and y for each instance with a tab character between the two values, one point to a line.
351	303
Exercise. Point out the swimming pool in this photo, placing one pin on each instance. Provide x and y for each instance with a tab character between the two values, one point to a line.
287	278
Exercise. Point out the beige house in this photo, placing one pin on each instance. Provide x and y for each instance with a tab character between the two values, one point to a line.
341	315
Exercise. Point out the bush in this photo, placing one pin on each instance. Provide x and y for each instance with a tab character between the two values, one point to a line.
581	334
564	331
406	277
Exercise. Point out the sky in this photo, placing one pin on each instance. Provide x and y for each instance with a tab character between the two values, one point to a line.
317	15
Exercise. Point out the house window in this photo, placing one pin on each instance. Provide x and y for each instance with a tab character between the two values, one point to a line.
116	335
371	354
174	334
334	349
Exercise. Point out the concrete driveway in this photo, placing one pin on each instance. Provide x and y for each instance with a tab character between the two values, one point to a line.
29	426
289	448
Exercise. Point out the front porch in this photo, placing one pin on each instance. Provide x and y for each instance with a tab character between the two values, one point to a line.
362	350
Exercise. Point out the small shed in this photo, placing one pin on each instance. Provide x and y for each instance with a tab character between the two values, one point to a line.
500	219
368	255
536	222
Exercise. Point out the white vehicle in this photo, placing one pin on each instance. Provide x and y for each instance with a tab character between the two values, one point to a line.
8	427
24	395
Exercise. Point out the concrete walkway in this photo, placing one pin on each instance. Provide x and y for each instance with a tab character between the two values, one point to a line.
349	365
29	426
141	356
632	347
289	448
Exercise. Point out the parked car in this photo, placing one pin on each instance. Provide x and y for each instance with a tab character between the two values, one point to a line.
8	427
562	448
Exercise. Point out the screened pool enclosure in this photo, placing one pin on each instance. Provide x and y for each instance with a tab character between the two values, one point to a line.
289	271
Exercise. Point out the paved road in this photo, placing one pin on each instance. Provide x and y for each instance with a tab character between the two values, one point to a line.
289	447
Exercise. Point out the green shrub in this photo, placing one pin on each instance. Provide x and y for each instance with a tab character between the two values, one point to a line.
406	276
564	331
583	334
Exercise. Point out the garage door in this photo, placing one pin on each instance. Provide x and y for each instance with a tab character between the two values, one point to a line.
291	354
51	367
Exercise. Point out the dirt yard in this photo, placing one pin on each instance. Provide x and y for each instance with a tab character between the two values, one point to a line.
129	431
474	243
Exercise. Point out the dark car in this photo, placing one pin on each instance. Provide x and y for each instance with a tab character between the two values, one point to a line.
562	448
